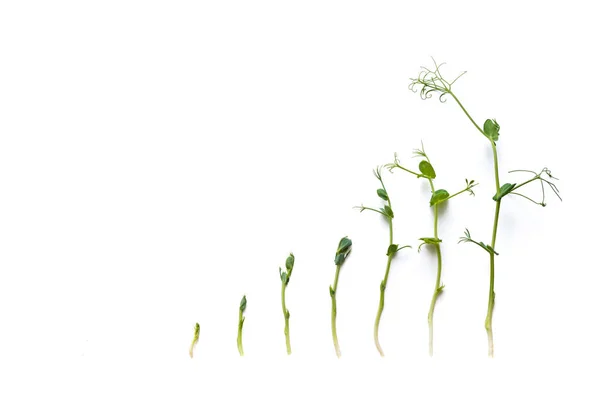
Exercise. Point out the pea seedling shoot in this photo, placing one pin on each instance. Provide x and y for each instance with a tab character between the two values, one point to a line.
437	198
285	279
387	212
344	248
241	320
195	339
430	81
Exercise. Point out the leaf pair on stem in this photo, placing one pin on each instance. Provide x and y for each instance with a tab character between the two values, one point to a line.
438	197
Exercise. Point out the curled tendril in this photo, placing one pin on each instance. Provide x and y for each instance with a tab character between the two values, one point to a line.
539	176
431	81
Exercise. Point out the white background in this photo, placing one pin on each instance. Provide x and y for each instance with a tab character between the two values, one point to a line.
158	160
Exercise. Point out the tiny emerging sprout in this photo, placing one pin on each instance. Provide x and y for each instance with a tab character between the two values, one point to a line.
195	339
241	320
343	250
285	279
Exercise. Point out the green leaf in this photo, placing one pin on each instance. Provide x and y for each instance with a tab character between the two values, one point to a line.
289	263
284	277
504	190
331	291
383	194
392	249
344	246
426	169
387	211
491	129
438	196
428	240
243	304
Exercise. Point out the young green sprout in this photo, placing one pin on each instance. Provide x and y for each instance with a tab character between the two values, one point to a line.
387	212
285	279
195	339
431	81
241	320
439	196
344	248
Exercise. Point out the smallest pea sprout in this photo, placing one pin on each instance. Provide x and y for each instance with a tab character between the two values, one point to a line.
344	248
195	340
241	320
285	279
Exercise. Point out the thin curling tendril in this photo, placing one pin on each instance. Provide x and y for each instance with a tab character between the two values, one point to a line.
431	81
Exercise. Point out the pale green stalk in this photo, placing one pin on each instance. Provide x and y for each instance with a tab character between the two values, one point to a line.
241	320
285	279
388	213
195	339
437	197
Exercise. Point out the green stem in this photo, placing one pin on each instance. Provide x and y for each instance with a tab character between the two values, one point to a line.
467	114
407	170
437	289
334	313
239	336
436	292
496	217
457	193
491	301
286	315
525	183
492	294
382	289
495	166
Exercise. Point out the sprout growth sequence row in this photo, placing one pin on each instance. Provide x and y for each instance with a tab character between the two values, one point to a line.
429	82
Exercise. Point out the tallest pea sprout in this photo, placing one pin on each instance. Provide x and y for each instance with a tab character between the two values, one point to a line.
430	82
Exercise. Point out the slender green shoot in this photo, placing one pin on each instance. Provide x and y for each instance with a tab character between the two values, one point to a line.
241	320
285	279
342	252
431	81
392	249
195	339
437	198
